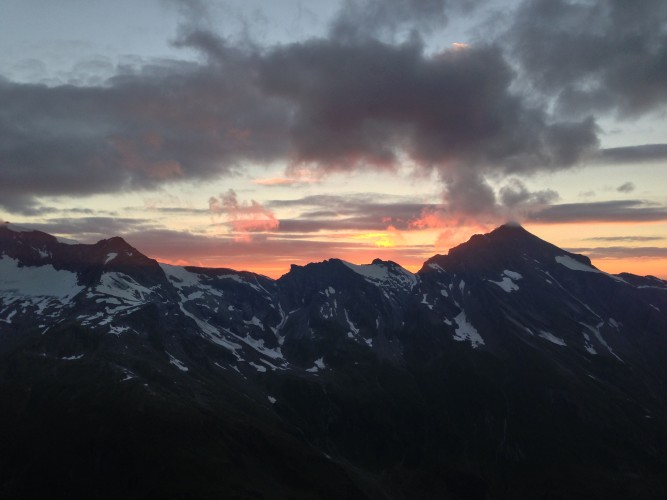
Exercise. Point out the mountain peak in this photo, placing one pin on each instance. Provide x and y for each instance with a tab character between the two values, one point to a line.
504	246
503	238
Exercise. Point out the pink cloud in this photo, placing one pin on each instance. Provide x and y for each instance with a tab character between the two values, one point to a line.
243	217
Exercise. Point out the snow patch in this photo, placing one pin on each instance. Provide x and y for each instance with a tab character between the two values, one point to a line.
182	278
41	281
384	274
596	331
123	287
9	317
425	302
587	344
110	256
257	367
436	267
575	265
466	331
552	338
118	330
177	363
319	365
254	321
352	326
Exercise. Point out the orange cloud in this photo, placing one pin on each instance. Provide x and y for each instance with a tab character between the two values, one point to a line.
430	219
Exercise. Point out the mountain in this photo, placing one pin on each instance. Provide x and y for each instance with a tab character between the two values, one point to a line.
508	368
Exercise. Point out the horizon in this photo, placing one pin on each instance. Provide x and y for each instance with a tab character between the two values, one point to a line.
281	272
229	133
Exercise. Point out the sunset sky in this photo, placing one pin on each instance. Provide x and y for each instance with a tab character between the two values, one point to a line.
256	134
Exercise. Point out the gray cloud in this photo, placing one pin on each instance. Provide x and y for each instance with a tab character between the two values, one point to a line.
625	238
618	252
363	19
358	98
597	55
626	187
347	213
606	211
359	105
633	154
92	229
515	194
162	123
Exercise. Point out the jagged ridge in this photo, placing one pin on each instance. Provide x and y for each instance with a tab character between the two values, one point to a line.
430	366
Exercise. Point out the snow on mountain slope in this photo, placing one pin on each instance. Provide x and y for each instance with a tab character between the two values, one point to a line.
39	281
508	351
505	281
385	274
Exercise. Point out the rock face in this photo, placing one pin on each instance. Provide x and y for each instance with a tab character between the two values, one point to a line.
508	368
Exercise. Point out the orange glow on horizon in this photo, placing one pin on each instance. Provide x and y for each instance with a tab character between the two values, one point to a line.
640	267
409	248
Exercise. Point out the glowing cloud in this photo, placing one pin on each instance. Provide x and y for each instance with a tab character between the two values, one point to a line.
243	217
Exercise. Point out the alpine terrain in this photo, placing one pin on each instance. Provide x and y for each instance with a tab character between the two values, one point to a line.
508	368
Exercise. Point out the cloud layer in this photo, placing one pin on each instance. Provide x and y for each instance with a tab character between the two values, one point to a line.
368	94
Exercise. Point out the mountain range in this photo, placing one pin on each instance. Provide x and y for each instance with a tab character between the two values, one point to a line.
508	368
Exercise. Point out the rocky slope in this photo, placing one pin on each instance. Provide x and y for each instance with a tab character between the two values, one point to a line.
508	368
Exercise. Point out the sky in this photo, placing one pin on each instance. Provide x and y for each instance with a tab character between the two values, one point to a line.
258	134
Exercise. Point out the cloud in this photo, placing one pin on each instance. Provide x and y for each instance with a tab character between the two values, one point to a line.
626	187
605	211
297	177
281	181
149	126
358	105
619	252
369	94
628	239
243	217
595	55
515	194
633	154
92	229
363	19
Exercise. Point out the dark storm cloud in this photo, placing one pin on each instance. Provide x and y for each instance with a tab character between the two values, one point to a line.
605	211
595	55
337	103
162	123
362	104
633	154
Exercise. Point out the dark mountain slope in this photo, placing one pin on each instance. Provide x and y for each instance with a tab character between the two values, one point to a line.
508	368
